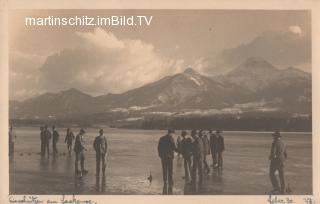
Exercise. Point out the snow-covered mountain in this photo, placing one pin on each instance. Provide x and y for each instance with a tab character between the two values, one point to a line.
253	85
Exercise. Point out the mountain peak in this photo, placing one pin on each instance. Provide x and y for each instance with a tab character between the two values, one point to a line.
189	70
257	62
73	91
256	66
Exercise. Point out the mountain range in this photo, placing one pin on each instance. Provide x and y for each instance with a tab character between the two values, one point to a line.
255	85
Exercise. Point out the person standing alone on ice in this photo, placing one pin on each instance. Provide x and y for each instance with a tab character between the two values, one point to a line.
101	147
278	156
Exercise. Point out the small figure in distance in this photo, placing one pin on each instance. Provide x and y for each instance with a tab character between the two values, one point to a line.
55	139
43	141
47	137
69	139
12	138
220	148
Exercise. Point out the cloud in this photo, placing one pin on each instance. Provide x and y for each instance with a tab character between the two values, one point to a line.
103	63
295	30
281	48
24	74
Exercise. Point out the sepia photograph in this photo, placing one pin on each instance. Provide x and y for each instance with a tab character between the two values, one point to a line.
160	102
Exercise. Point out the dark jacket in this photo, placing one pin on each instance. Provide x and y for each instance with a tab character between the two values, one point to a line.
278	152
166	147
100	145
69	137
219	147
186	147
79	144
42	136
197	148
46	135
213	142
55	136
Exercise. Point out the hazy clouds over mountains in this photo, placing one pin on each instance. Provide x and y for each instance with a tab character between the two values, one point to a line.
100	60
283	49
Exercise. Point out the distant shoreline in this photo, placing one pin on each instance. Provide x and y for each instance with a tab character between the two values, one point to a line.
226	131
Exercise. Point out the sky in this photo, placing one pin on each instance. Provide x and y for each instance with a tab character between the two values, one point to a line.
101	60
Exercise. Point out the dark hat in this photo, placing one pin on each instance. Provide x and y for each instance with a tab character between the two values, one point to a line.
170	131
218	131
82	130
183	133
276	134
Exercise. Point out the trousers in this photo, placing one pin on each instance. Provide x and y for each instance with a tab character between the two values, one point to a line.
79	157
197	166
100	161
187	167
167	168
275	166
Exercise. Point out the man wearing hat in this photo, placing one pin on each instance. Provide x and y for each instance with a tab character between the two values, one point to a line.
100	146
166	148
214	148
278	156
47	137
186	151
79	149
197	157
219	148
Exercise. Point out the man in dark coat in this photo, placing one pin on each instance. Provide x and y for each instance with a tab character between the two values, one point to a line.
197	152
47	137
278	156
213	148
55	139
100	146
220	148
79	149
166	148
186	151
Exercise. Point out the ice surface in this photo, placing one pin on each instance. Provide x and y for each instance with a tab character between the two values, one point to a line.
133	155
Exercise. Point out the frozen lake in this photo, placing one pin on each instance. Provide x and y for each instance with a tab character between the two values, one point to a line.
133	155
